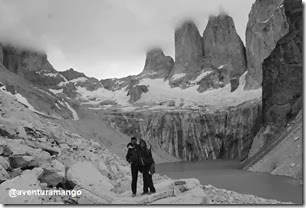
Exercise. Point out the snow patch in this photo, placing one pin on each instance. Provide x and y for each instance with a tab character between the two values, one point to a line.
177	76
77	80
51	74
24	101
74	113
54	91
161	91
201	76
221	66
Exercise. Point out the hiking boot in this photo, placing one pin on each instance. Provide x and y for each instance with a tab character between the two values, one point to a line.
144	193
133	195
152	192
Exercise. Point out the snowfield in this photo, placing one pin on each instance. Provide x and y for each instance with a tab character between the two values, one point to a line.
160	91
80	79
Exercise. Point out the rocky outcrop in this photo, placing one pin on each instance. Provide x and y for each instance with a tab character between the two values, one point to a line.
196	136
157	65
267	24
188	49
136	91
283	71
72	74
223	46
117	84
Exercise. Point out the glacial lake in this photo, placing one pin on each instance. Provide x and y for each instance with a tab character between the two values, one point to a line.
225	174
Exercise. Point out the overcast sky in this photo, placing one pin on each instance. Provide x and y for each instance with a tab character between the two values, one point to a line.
107	38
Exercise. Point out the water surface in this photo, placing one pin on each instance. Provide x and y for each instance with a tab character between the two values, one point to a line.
228	175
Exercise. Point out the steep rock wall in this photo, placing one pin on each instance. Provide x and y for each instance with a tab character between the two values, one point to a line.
283	71
195	136
267	24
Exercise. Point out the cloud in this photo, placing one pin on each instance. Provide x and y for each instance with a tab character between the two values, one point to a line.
96	33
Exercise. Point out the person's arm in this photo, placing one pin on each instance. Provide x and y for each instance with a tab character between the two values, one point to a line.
128	156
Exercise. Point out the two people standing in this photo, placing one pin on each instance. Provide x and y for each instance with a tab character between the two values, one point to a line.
141	160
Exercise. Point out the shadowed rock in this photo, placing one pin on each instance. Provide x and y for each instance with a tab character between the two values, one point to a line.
283	71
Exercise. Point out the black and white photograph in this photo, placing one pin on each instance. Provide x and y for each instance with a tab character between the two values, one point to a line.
151	102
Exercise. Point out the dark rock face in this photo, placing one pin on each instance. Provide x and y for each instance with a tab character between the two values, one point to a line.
1	54
283	71
157	65
267	24
195	136
72	74
117	84
234	84
21	61
70	90
223	46
188	49
43	79
30	65
136	91
218	78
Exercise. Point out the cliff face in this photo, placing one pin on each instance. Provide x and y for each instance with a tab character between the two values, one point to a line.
283	71
157	65
223	46
20	61
30	65
1	55
267	24
193	135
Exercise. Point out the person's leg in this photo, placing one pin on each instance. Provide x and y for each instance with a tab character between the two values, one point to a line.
134	171
150	183
145	175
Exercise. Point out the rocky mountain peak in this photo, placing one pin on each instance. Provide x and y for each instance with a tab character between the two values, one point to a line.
157	65
188	46
223	46
72	74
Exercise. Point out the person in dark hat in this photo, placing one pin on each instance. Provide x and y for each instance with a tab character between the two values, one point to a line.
133	157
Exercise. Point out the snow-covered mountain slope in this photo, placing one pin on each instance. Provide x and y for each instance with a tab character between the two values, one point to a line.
161	95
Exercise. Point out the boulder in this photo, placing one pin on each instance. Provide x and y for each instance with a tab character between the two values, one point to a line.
4	163
51	178
85	175
27	181
23	162
3	174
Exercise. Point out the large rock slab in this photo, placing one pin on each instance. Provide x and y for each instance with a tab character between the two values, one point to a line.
85	175
27	181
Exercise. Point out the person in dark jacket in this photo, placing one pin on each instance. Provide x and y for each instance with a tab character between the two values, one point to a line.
148	166
133	157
